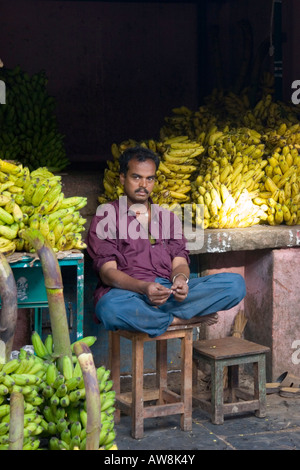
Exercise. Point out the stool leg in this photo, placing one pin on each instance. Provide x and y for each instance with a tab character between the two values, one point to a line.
259	369
233	381
137	416
114	366
217	392
186	379
161	368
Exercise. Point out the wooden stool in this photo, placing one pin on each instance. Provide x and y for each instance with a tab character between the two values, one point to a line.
167	402
231	352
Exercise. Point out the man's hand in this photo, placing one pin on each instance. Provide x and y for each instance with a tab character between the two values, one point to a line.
180	289
156	293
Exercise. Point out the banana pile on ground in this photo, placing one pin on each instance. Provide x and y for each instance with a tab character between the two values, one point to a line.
55	414
36	199
28	126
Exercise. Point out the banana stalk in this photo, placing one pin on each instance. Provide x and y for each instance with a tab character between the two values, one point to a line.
16	423
9	309
54	290
93	405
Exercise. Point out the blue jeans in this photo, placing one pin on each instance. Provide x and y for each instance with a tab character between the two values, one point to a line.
121	309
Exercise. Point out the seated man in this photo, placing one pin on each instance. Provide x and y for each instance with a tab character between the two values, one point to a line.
141	258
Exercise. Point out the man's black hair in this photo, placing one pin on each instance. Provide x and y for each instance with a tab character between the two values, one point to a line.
140	153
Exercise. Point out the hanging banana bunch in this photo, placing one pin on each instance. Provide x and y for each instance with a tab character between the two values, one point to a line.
28	126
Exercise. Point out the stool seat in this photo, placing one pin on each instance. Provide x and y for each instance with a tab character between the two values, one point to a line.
166	401
231	352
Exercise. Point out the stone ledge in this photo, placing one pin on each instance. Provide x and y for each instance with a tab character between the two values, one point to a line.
257	237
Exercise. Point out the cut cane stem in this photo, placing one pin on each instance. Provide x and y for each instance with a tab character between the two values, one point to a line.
54	290
92	394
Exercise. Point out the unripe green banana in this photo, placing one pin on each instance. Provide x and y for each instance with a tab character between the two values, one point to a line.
77	395
8	381
49	415
10	366
76	428
38	345
105	429
48	391
72	383
109	438
65	435
59	380
83	417
64	401
61	424
25	379
67	367
88	340
3	390
32	444
61	391
49	343
54	443
75	443
54	400
4	428
51	373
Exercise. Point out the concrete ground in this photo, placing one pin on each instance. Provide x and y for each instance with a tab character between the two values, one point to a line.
279	430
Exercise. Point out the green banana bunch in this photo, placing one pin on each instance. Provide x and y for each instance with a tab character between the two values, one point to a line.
24	374
29	129
65	406
54	400
64	401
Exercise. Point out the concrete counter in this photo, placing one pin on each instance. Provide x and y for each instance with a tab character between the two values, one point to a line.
268	257
256	237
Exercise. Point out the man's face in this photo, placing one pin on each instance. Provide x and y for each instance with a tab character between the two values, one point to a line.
139	181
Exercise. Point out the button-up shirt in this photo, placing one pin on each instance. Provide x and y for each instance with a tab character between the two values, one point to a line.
116	235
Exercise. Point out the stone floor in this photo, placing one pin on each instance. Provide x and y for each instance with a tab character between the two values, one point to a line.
279	430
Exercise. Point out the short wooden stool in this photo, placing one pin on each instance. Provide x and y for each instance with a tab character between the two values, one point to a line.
167	402
231	352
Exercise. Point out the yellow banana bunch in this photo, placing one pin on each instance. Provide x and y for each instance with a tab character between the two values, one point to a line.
180	158
252	151
31	199
279	190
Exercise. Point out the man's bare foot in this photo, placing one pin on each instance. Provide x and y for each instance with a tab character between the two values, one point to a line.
210	319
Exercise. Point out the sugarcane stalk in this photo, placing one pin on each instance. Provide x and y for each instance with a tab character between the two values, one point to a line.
16	421
54	290
92	394
9	309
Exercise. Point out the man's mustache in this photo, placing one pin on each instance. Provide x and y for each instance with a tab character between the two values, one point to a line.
144	190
